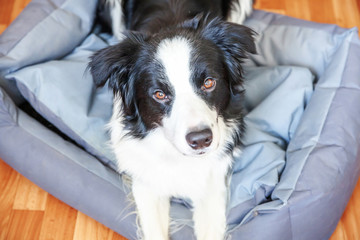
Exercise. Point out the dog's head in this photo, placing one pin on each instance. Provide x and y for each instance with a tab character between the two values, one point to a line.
186	82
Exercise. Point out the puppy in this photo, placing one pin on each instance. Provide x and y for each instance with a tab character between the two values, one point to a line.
177	116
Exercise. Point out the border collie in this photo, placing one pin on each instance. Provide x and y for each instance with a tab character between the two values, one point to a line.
177	117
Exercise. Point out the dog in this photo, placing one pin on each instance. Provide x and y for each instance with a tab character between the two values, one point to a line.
177	120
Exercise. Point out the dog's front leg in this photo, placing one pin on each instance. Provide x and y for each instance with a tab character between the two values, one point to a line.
153	211
210	213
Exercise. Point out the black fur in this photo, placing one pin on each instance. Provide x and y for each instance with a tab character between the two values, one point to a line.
152	16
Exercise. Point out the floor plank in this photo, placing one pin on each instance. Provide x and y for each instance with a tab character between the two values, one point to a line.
349	225
9	180
25	225
322	14
87	228
298	9
270	4
59	220
5	11
29	196
342	10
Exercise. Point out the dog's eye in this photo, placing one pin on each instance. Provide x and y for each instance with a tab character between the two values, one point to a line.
209	84
160	95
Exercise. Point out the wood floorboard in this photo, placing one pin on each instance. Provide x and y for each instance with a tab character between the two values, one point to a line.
24	224
5	12
319	13
298	8
27	212
29	196
9	180
55	227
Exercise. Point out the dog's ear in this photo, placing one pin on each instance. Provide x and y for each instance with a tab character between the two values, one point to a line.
236	42
114	63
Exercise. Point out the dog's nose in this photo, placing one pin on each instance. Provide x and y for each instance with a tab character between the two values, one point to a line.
199	139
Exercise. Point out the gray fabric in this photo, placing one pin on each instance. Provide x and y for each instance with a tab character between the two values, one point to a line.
35	12
276	98
318	144
65	23
63	92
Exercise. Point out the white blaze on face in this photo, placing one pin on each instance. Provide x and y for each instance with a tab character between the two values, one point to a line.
189	112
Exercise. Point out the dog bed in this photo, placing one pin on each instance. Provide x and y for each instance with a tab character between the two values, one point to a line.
300	158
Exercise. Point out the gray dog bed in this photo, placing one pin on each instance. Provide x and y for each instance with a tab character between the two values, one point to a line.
300	161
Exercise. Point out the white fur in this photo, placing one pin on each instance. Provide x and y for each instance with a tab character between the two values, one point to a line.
161	166
117	18
240	10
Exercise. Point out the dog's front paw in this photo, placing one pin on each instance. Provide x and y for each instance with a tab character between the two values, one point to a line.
213	230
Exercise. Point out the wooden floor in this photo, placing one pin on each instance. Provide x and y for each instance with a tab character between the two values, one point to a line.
27	212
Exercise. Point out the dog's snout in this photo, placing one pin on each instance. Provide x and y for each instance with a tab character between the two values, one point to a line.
199	139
